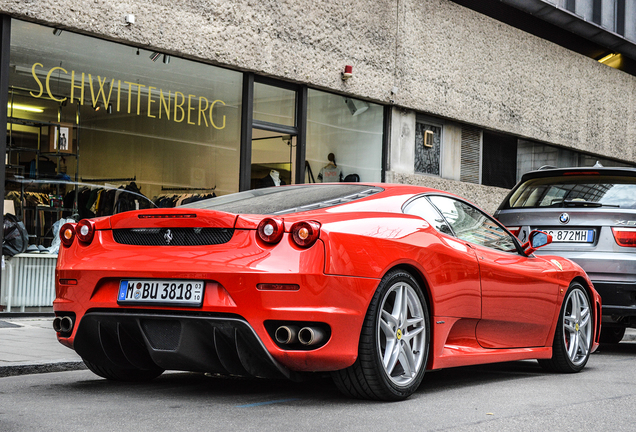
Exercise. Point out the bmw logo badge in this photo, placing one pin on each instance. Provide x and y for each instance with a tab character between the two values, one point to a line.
564	218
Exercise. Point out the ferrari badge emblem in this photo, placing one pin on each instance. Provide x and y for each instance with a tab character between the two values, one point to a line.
564	218
399	334
168	236
576	326
556	263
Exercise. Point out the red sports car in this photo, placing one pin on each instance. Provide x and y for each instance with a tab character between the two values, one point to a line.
375	283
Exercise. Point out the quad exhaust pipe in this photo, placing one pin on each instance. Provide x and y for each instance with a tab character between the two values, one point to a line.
63	324
286	334
310	335
290	334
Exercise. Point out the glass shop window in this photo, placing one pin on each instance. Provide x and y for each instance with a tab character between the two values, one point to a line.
89	117
344	139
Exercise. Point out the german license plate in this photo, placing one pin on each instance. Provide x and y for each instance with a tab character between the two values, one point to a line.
572	236
153	291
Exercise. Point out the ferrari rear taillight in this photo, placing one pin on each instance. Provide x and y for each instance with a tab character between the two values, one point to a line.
305	234
67	234
514	230
271	230
625	236
85	230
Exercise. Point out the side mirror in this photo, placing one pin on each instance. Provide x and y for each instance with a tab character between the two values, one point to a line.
536	239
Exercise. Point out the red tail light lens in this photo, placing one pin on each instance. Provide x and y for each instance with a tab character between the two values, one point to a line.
305	234
271	230
514	230
625	236
67	234
85	230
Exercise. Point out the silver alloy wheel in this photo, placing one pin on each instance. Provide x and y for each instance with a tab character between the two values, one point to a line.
577	327
400	333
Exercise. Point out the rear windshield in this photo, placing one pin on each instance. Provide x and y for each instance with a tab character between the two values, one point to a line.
574	191
286	199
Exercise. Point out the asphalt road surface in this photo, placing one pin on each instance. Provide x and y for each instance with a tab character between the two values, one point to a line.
517	396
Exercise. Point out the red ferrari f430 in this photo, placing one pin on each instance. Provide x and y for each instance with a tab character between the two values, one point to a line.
374	283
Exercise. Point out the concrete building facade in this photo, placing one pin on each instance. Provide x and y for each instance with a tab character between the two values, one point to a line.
463	96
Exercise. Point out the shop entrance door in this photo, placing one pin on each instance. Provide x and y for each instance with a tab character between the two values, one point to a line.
273	159
274	132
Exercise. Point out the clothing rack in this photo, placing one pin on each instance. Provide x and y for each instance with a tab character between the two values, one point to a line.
110	179
308	170
186	189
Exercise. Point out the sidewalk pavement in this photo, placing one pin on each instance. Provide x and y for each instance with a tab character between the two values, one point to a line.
29	345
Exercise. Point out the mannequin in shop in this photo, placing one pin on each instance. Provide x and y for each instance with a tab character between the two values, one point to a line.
331	172
272	179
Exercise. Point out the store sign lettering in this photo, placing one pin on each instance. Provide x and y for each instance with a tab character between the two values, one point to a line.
195	110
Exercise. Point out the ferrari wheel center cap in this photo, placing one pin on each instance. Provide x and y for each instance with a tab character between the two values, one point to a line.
399	334
576	326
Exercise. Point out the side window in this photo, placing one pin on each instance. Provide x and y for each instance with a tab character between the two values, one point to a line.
472	225
423	208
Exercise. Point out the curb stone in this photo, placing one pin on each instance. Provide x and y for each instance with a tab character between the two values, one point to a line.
38	368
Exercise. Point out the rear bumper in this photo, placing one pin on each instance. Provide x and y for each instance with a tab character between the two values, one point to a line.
336	302
132	339
619	298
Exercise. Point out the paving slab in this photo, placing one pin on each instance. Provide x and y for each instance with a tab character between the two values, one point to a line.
29	345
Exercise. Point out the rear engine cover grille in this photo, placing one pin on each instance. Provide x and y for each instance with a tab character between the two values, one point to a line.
173	236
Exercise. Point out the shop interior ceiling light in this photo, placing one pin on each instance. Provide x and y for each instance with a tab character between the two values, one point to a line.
129	18
356	107
28	108
154	56
57	31
166	58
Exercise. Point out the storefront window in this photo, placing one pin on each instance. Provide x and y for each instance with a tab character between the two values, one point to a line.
351	130
274	104
95	112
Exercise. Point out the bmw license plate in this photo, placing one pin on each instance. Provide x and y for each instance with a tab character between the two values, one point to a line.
572	236
153	291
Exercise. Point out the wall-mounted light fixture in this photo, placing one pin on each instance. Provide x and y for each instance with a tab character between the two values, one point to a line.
129	19
57	31
348	72
614	60
154	56
166	59
428	138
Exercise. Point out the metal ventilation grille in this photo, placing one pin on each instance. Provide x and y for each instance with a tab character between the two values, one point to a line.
173	236
471	155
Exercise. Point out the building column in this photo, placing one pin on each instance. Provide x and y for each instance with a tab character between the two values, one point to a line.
584	9
608	15
630	20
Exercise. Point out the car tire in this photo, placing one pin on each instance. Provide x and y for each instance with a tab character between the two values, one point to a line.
612	335
574	332
117	374
394	345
